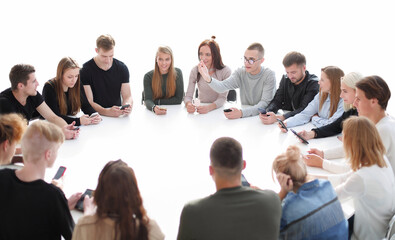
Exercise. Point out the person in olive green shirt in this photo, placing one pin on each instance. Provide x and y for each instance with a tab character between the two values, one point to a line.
234	211
164	85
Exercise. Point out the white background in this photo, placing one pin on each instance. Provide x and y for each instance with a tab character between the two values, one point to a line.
354	35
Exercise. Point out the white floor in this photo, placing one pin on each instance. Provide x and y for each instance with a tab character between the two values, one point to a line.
170	155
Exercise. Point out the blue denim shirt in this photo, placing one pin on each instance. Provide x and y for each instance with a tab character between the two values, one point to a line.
314	212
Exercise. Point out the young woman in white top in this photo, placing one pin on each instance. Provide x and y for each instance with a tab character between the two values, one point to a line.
370	183
327	106
210	54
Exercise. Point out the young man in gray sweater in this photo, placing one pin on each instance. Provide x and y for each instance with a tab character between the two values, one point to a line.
257	84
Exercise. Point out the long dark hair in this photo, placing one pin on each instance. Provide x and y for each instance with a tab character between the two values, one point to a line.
117	196
215	53
74	92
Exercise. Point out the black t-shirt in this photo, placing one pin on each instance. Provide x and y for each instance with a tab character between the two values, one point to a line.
105	85
51	98
32	210
9	104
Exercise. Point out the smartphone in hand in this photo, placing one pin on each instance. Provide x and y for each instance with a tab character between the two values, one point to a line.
228	110
262	110
60	172
300	137
282	124
124	106
80	204
244	181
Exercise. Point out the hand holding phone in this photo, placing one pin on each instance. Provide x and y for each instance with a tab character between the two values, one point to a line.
80	204
262	110
124	106
60	172
300	137
94	114
282	124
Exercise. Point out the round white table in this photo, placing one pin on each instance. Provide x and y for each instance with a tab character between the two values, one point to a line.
170	155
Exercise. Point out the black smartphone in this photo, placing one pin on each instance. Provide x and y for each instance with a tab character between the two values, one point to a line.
76	128
244	181
124	106
60	172
228	110
80	204
300	137
282	124
262	110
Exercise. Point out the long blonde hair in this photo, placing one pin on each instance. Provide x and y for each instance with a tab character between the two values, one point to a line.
291	163
362	143
334	74
157	76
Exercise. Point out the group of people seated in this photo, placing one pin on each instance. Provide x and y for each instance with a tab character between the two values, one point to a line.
305	207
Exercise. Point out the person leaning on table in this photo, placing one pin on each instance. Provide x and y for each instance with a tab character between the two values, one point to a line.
327	106
347	93
297	89
23	98
106	80
209	53
257	84
65	95
164	85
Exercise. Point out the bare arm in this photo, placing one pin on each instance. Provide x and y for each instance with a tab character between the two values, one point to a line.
47	113
114	111
126	97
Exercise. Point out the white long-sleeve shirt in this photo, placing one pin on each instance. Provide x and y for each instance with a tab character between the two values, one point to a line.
373	191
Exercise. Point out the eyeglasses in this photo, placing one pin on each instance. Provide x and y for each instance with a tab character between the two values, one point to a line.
251	61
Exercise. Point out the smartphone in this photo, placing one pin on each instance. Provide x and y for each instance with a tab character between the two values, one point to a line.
300	137
228	110
76	128
80	204
282	124
94	114
244	181
124	106
262	110
59	173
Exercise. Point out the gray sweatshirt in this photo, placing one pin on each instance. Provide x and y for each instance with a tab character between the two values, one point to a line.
255	90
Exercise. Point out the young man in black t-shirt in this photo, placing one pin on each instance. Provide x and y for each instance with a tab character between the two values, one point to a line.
23	98
106	81
30	208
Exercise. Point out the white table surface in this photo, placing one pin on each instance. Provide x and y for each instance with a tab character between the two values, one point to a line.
170	156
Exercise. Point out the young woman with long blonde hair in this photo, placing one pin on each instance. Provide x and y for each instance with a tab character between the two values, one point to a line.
164	85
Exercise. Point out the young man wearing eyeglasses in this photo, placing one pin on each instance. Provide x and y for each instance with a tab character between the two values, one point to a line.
257	84
297	89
